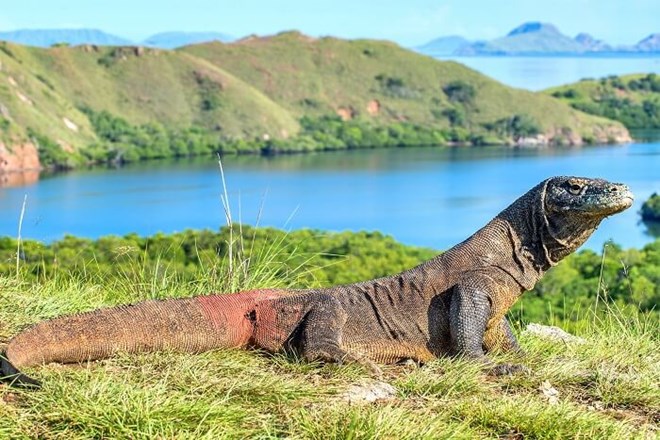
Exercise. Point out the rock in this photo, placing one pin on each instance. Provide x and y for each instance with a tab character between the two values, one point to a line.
552	333
369	392
549	392
24	98
4	111
346	113
373	107
19	157
70	124
540	140
612	134
564	136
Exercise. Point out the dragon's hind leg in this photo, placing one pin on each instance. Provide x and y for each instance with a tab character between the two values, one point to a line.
321	335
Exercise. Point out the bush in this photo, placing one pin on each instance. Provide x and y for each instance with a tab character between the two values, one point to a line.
516	126
460	91
625	277
51	154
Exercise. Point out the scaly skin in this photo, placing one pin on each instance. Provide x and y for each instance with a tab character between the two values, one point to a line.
452	304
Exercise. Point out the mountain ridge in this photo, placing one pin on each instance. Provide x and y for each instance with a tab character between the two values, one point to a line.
536	38
80	36
50	37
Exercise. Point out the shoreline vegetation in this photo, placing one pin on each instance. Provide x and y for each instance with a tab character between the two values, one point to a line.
633	100
311	258
120	142
602	384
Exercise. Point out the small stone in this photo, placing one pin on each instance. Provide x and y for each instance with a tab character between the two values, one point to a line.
369	392
549	392
553	333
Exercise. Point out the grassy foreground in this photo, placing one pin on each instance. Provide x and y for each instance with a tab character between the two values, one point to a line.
607	386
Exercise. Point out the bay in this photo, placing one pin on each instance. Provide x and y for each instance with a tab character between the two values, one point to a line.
541	72
432	197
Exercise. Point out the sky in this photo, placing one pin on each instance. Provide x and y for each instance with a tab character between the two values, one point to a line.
408	22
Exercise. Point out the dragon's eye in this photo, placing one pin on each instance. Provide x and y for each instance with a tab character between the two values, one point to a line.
574	188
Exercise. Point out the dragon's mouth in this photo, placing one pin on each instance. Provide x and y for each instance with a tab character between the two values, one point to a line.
622	203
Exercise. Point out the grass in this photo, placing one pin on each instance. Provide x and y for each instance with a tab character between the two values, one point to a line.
608	386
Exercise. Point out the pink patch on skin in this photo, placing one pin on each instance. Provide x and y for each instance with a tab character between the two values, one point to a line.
230	314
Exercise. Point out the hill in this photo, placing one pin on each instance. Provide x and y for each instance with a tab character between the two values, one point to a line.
649	44
91	103
535	38
634	100
384	83
73	37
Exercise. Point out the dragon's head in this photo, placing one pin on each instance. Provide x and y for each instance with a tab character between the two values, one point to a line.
582	199
556	217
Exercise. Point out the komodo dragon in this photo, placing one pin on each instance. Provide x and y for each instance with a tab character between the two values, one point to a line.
452	304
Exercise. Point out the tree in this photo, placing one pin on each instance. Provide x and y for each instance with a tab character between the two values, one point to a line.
460	91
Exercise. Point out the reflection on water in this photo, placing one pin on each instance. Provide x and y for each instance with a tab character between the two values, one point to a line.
8	180
652	228
646	135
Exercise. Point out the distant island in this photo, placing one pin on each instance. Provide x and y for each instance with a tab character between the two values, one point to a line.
536	38
75	37
65	107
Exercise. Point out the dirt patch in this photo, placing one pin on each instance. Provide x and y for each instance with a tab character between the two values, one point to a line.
24	98
373	107
346	113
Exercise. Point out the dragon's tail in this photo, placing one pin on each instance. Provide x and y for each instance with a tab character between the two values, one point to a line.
11	375
189	325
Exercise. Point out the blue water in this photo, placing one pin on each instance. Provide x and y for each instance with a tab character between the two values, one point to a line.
541	72
423	196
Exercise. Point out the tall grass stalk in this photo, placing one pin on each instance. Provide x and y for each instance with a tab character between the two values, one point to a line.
600	277
18	239
227	209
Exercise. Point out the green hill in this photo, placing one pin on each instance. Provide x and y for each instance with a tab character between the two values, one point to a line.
321	76
89	103
634	100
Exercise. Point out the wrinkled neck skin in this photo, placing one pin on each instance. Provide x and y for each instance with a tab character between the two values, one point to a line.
524	240
541	238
